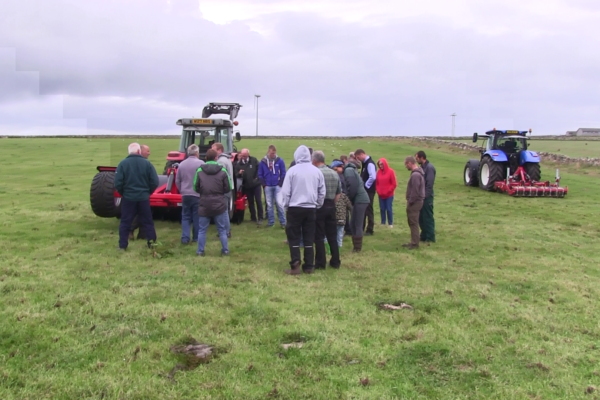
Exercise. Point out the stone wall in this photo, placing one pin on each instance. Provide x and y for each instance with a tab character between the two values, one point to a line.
557	158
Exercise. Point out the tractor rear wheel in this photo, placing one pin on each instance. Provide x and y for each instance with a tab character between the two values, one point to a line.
102	198
470	173
533	170
489	173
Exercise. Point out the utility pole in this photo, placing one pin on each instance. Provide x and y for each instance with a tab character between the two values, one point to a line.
453	115
256	96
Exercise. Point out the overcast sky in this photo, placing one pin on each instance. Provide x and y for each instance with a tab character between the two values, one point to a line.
322	67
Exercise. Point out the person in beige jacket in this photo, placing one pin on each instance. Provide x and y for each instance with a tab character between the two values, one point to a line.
415	194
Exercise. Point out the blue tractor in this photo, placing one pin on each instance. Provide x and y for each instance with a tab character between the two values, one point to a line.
503	152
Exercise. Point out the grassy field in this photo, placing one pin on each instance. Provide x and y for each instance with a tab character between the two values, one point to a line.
571	148
505	303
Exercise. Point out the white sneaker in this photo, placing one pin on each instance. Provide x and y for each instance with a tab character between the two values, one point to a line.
391	226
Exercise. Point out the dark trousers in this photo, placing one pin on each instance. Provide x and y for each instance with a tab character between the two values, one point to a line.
301	222
326	227
143	212
254	195
358	215
412	214
347	228
369	215
426	221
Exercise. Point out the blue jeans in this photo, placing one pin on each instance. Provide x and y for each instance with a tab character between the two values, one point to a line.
222	222
271	193
189	218
340	235
385	206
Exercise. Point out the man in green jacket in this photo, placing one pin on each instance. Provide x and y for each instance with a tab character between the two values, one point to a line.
135	180
355	190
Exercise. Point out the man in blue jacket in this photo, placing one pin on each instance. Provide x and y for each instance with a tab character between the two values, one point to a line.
271	172
135	180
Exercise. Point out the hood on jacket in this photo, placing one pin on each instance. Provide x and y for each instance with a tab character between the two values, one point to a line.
386	167
418	170
266	159
351	165
211	168
302	155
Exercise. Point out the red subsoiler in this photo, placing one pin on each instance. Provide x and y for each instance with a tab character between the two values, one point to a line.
520	185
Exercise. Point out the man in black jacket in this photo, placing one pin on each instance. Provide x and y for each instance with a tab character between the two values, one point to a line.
246	168
368	173
135	180
213	184
426	221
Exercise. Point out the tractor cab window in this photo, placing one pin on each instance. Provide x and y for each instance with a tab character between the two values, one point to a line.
205	140
222	136
510	144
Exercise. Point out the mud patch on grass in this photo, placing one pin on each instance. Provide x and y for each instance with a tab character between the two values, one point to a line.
393	306
191	353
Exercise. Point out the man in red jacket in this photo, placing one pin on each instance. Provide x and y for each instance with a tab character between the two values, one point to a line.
386	185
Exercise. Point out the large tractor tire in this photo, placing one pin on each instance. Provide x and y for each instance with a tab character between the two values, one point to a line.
102	198
489	173
533	170
471	173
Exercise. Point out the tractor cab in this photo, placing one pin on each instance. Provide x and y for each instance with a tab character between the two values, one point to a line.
206	131
508	146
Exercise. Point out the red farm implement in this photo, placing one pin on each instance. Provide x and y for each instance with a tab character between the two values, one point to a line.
520	184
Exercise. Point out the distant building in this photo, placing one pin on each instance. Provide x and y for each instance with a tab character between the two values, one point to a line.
584	132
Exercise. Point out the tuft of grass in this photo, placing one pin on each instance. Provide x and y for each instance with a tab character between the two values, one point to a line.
505	302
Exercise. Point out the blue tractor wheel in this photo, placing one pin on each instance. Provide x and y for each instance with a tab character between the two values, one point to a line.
490	172
471	173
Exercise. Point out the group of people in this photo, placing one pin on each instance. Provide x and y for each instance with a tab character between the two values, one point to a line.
317	204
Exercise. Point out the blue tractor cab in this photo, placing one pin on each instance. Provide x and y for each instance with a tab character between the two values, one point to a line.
501	151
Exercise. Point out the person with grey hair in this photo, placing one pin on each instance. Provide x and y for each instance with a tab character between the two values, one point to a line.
326	223
190	199
415	195
135	180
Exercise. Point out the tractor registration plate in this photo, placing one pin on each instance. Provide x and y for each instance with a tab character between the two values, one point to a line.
509	132
202	121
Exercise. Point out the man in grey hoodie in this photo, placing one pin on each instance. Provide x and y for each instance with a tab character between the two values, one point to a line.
302	193
415	194
190	199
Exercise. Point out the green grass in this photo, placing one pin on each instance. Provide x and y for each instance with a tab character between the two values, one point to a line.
505	303
571	148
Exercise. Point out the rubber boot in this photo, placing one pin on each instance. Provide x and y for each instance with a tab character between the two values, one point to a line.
357	243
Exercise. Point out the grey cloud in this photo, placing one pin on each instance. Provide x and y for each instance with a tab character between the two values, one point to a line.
115	59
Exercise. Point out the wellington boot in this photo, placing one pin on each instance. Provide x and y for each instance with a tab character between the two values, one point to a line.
357	244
